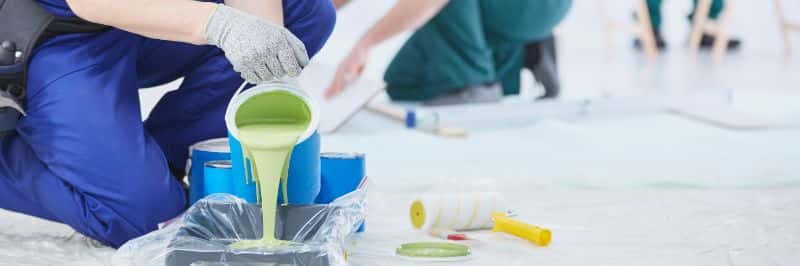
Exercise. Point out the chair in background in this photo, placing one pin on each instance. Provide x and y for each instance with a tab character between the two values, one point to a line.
786	27
719	28
642	29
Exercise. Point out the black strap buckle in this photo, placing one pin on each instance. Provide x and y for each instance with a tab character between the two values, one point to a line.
22	23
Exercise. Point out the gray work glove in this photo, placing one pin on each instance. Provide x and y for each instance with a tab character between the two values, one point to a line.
259	50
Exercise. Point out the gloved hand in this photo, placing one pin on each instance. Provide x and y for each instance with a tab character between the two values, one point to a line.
259	50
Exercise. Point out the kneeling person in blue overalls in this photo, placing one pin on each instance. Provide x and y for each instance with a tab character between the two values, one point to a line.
82	156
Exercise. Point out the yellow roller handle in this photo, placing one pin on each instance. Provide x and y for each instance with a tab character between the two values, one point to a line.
535	234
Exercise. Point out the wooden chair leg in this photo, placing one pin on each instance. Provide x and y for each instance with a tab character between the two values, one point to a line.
608	28
723	32
784	24
699	25
645	31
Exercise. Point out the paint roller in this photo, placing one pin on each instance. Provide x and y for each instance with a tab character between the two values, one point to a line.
534	234
412	120
472	211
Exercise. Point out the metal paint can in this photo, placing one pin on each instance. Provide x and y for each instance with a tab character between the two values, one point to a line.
217	177
199	154
304	165
342	173
304	173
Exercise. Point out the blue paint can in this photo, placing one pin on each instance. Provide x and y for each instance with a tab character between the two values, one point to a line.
199	154
304	173
304	166
342	173
217	177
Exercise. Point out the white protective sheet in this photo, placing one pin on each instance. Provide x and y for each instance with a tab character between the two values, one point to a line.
651	189
655	190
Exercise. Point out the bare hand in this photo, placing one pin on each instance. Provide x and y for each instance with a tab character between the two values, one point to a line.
349	70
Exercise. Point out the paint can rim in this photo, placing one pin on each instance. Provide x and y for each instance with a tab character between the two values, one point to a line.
238	100
221	164
342	155
220	145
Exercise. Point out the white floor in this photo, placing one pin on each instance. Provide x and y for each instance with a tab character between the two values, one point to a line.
626	189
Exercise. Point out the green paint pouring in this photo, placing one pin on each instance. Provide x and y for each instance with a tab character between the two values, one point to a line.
270	125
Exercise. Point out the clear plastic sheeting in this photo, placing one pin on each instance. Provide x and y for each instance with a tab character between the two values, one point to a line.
202	235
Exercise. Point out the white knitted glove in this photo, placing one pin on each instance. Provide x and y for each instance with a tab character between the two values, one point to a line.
261	51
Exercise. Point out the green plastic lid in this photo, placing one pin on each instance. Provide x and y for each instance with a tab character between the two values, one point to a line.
433	250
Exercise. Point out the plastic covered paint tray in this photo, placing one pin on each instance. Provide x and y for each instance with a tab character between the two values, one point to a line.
290	219
203	234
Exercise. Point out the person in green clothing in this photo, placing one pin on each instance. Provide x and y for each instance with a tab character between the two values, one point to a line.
707	41
462	51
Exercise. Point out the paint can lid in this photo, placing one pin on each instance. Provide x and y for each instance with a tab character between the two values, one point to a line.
342	155
211	145
224	164
433	250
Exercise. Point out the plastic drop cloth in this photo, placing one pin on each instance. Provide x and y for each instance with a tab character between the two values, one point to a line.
202	234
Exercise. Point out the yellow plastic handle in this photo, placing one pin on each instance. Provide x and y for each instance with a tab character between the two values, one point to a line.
538	235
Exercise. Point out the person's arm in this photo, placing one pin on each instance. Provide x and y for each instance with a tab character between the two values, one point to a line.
340	3
269	10
173	20
259	49
405	15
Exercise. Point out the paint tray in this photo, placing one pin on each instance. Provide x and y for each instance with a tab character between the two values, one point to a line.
201	235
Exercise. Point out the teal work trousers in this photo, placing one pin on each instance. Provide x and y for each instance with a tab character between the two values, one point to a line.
654	7
470	43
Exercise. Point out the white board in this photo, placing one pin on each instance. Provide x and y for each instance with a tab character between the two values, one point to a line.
316	78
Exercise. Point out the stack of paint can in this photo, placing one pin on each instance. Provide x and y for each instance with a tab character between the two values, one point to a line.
210	170
224	168
201	153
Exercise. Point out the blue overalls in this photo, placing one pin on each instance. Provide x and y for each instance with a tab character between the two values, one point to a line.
82	155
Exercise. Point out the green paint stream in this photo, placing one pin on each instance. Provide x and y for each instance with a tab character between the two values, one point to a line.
269	126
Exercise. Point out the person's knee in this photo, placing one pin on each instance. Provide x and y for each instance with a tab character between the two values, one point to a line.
139	214
143	194
154	199
312	21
